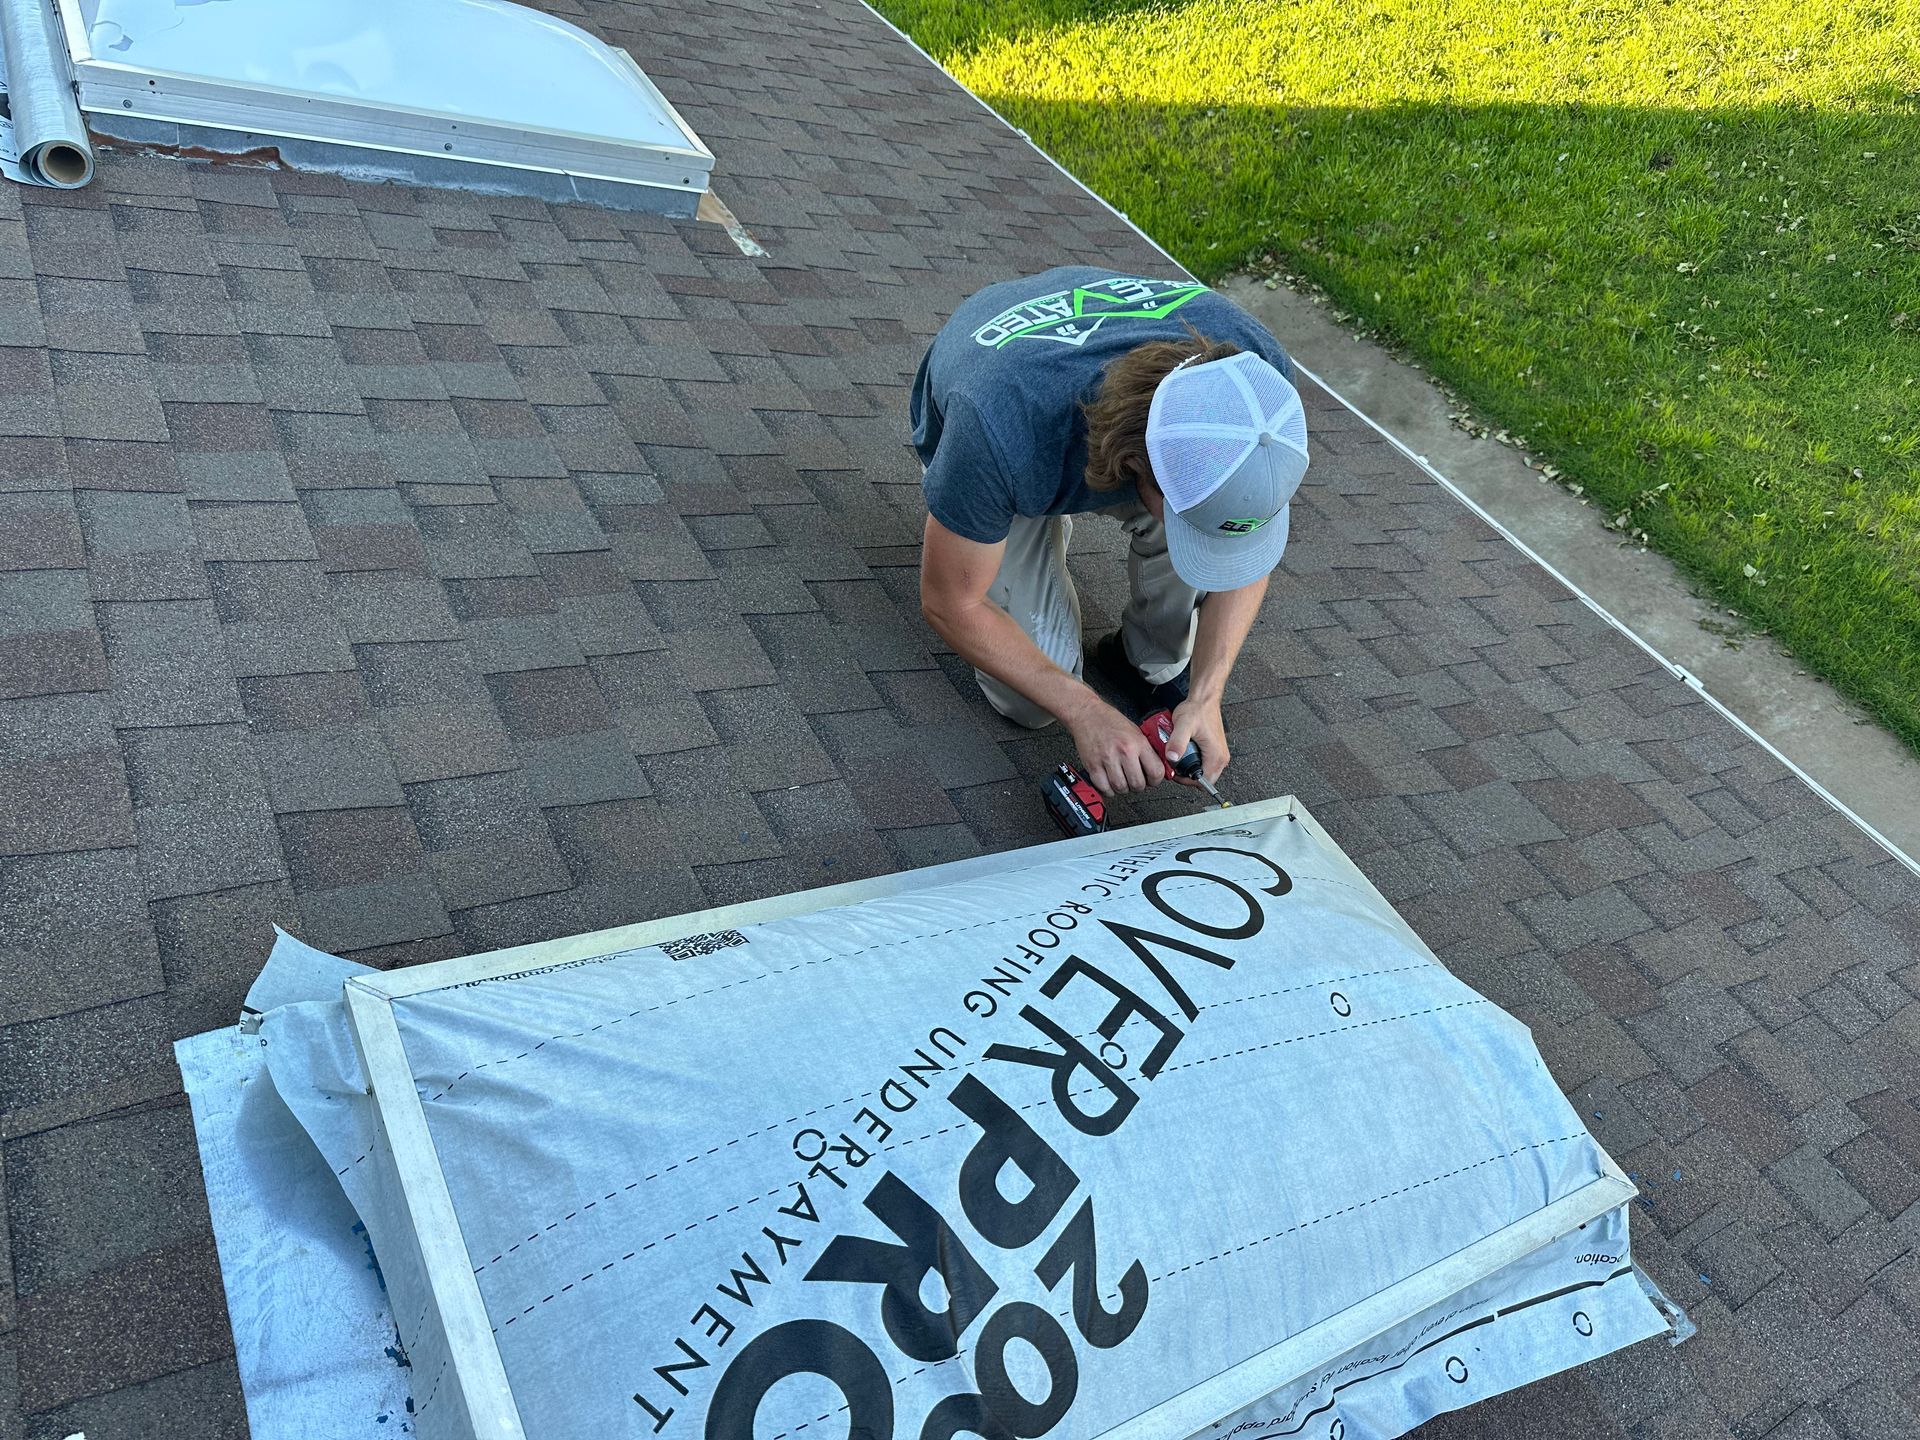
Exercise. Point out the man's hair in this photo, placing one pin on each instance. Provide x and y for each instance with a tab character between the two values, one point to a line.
1117	414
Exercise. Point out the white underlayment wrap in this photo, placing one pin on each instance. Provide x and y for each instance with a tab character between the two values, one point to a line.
43	140
1161	1134
313	1335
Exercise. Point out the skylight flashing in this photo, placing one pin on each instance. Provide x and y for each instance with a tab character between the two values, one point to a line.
416	92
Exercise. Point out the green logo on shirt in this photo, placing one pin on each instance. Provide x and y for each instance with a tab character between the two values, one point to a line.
1070	317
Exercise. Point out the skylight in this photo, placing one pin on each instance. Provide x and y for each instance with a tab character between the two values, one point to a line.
398	88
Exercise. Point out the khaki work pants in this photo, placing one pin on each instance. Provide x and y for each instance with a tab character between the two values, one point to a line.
1033	586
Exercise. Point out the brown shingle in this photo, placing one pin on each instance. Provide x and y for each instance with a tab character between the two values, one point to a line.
455	505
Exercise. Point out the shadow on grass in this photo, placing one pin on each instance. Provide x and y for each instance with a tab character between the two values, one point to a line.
1709	318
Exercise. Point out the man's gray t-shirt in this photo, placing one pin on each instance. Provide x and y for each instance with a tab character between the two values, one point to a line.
997	414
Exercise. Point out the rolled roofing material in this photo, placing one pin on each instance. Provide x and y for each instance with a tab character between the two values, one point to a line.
52	138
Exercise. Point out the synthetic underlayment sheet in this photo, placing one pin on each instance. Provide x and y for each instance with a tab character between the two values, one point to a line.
313	1338
1191	1136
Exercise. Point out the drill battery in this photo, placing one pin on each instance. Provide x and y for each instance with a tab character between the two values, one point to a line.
1077	807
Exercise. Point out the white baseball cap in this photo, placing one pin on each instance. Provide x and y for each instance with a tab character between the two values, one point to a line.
1228	443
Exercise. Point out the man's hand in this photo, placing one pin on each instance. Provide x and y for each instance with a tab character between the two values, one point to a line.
1198	722
1225	619
1114	755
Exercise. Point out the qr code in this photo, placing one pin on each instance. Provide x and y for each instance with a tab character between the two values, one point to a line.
695	945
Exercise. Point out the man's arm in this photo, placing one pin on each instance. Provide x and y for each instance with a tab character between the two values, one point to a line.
1225	620
955	575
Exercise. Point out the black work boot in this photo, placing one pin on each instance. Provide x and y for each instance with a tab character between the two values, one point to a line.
1109	657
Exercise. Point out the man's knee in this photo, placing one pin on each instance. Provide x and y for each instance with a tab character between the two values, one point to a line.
1014	706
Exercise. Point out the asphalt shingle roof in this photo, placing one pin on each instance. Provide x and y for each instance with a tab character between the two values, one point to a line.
429	572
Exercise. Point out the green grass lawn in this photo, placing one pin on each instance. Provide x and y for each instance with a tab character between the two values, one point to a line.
1675	246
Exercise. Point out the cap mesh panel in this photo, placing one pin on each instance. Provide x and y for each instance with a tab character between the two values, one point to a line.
1194	406
1196	467
1267	385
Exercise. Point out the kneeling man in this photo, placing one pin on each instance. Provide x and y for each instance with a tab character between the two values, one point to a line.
1155	401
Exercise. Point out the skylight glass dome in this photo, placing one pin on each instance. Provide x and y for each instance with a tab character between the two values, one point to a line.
471	80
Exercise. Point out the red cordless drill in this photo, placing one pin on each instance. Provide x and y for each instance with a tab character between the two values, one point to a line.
1158	728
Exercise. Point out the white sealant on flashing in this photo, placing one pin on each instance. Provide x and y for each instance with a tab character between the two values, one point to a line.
1673	668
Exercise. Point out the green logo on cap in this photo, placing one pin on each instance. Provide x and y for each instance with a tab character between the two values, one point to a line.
1242	527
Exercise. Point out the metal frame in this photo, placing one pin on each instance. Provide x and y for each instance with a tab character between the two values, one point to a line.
413	1164
262	112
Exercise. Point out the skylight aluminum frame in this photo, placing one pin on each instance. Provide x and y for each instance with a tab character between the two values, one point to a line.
262	112
412	1163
